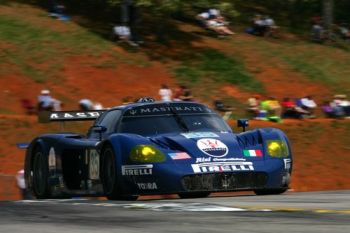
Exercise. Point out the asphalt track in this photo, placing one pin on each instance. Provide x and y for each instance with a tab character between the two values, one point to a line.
291	212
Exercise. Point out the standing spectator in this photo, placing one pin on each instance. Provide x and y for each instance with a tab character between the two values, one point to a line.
85	104
47	103
259	27
165	93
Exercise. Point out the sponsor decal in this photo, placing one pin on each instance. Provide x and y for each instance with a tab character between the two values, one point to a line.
158	109
137	170
200	135
212	147
287	163
222	167
209	159
252	153
147	186
179	155
74	115
94	164
52	159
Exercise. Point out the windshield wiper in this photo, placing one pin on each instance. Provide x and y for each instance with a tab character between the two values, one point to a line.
179	120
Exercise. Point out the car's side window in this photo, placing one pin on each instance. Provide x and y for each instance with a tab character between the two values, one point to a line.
108	120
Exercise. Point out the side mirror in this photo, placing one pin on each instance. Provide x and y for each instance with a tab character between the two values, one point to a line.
242	123
99	129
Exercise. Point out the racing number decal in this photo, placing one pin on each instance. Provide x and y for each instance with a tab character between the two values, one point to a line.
94	165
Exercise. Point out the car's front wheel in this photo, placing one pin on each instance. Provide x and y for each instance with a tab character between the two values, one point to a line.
109	176
270	191
40	177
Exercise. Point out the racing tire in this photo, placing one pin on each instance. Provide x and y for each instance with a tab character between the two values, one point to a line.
277	191
109	176
194	195
40	168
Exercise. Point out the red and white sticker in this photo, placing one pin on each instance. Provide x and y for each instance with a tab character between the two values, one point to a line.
212	147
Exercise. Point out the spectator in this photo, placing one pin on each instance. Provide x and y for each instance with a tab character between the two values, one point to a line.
203	19
47	103
307	103
318	34
291	110
254	105
57	10
259	27
341	102
213	20
214	13
28	106
187	94
219	25
344	31
273	109
121	32
271	27
331	110
165	93
179	91
87	105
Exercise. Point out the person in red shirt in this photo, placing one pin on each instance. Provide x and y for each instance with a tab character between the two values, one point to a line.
291	110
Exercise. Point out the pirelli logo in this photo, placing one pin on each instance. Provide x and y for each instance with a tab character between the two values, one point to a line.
137	170
222	167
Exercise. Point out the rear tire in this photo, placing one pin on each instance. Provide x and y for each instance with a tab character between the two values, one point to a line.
194	195
109	176
41	188
270	191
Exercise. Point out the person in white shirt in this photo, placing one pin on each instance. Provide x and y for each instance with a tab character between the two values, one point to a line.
165	93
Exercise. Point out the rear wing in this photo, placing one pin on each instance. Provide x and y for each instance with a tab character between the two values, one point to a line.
60	116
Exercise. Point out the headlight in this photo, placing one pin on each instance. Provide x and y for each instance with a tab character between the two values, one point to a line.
277	148
146	154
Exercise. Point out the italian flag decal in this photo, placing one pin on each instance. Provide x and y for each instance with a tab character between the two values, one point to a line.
252	153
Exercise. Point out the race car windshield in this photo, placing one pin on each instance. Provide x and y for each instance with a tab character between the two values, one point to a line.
162	124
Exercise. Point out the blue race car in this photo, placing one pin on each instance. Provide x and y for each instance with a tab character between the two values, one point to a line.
156	148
